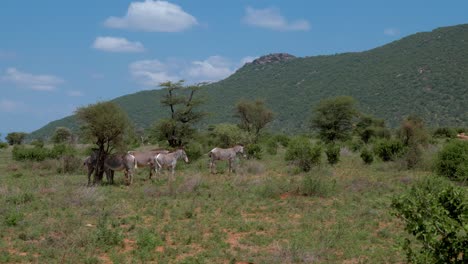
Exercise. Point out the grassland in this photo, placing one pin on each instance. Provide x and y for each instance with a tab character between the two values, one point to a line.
258	215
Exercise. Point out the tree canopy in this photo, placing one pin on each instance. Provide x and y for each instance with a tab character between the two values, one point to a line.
182	102
253	116
106	125
333	118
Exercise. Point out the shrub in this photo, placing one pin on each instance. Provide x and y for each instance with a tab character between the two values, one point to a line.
282	139
194	150
355	144
22	153
445	132
3	145
333	154
452	160
228	135
38	143
436	213
367	156
413	156
302	153
388	149
254	151
272	146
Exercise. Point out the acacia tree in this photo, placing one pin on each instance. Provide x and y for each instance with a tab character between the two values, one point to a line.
254	116
61	135
15	138
107	126
333	118
181	101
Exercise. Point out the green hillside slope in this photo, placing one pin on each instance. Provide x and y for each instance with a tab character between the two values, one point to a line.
425	73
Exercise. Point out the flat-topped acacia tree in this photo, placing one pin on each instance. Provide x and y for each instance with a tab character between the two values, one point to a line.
106	125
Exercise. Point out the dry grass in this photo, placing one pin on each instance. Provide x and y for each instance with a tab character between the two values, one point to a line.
252	216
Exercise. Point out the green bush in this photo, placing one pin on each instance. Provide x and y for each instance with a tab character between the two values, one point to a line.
194	150
452	160
22	153
3	145
282	139
355	144
228	135
38	143
333	154
272	146
445	132
301	152
388	149
254	151
436	213
367	156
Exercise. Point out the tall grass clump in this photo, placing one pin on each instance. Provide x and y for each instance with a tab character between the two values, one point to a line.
452	160
317	183
302	153
106	236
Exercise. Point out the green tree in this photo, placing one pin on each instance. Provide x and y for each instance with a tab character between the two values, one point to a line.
61	135
15	138
106	125
182	103
370	127
254	116
333	118
414	137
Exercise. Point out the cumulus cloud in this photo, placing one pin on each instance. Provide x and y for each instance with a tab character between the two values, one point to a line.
31	81
391	32
272	18
10	106
211	69
152	72
153	16
113	44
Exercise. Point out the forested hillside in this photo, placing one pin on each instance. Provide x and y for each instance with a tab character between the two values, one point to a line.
424	74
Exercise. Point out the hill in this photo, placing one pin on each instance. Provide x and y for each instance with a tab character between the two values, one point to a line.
423	74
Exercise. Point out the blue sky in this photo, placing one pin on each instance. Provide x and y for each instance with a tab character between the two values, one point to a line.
58	55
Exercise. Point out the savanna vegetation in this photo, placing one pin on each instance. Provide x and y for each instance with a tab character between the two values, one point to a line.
422	74
353	193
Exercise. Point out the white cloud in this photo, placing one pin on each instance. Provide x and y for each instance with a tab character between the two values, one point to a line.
113	44
34	82
391	32
74	93
271	18
153	16
152	72
214	68
10	106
